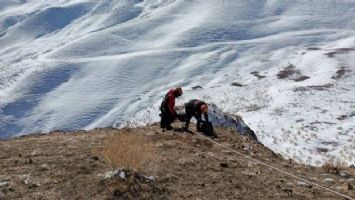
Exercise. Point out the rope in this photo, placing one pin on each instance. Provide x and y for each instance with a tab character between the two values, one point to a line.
277	169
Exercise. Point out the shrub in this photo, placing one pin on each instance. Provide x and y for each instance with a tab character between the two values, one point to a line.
333	166
129	151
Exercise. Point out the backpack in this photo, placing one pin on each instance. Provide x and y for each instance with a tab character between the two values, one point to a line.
164	104
207	129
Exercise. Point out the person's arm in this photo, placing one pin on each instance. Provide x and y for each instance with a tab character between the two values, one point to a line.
199	119
206	116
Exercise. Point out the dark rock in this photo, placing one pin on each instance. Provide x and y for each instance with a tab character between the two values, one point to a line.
340	73
332	54
301	78
299	120
196	87
224	165
236	84
342	117
313	48
288	191
322	150
34	185
255	73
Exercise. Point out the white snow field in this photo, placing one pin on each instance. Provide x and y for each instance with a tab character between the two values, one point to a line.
287	67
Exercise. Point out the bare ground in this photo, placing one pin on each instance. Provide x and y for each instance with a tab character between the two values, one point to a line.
71	166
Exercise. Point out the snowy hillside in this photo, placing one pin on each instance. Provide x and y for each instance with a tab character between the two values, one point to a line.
287	67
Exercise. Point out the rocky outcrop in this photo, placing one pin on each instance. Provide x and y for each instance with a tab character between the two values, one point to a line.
220	118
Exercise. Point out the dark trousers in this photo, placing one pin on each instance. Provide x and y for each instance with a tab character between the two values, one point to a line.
167	119
188	119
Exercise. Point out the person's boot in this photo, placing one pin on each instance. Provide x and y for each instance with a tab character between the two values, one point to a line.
198	128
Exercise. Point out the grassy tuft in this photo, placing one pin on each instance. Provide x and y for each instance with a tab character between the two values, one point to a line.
129	151
334	166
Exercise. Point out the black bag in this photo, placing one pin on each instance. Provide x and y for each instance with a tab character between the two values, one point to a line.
207	129
181	117
164	105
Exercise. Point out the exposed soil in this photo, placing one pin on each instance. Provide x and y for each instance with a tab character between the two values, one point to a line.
71	166
287	72
340	73
314	87
334	52
290	72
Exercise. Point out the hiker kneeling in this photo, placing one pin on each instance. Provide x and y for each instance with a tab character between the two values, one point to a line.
195	108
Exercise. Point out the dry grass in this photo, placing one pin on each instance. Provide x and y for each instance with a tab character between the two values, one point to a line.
129	151
334	166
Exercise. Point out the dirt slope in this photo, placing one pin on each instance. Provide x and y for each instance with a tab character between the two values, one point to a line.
71	166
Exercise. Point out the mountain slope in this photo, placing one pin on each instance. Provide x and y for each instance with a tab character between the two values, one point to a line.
83	64
183	166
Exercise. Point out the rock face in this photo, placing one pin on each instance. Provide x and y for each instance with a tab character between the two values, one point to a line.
220	118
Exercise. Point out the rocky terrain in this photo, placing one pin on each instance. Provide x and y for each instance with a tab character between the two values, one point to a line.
77	165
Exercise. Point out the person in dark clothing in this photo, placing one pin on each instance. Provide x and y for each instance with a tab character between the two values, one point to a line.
167	108
195	108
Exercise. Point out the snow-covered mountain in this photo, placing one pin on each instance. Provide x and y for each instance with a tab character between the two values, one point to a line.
287	67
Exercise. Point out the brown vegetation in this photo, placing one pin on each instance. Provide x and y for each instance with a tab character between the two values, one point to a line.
127	150
314	87
286	72
290	72
83	165
334	166
340	73
332	54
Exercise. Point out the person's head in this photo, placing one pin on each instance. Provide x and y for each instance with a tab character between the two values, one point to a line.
178	92
204	108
